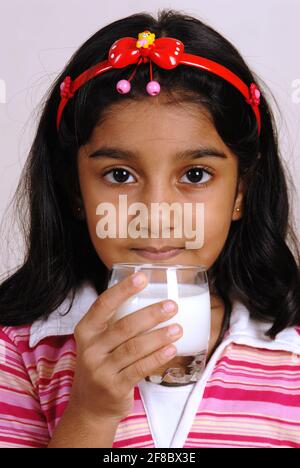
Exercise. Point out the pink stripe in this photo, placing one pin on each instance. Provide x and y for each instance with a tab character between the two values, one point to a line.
57	389
235	363
276	442
255	386
210	403
11	360
39	433
55	411
249	395
13	371
20	398
22	442
44	348
248	416
45	381
5	337
261	377
131	441
19	412
51	403
258	373
131	417
208	444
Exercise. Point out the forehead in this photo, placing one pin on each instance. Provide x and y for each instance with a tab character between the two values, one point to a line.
153	121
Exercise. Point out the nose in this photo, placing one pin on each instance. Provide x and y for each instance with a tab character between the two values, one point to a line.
163	209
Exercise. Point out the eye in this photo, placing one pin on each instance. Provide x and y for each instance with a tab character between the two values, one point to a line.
195	175
117	175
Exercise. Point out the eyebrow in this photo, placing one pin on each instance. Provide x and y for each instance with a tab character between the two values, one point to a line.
119	153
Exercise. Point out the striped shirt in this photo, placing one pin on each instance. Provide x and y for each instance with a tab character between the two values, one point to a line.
248	396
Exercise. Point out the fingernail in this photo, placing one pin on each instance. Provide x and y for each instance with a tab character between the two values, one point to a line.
138	279
168	307
174	330
169	351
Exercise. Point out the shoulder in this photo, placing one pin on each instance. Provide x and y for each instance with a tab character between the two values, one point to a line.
259	381
260	358
250	354
14	337
43	358
49	339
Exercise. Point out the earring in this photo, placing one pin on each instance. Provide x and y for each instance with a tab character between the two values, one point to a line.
238	209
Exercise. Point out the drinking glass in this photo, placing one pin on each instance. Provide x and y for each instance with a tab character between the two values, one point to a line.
188	286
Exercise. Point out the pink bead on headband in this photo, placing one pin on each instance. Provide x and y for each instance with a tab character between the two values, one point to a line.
167	53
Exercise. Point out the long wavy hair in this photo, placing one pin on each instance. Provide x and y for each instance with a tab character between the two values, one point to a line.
259	263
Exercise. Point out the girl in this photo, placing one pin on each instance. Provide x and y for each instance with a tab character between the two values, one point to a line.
69	378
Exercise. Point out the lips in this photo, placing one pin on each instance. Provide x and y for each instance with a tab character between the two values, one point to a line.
166	248
154	253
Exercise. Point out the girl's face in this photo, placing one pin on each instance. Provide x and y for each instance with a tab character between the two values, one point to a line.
148	166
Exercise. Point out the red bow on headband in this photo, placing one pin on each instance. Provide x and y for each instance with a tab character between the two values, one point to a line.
166	52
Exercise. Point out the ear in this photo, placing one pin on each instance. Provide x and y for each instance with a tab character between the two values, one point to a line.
237	212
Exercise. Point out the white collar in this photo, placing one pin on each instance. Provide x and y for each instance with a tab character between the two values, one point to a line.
59	324
243	329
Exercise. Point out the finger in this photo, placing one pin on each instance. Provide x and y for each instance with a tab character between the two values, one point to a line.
95	320
135	323
132	375
143	345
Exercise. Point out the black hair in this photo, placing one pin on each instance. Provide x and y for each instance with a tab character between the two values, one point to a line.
259	263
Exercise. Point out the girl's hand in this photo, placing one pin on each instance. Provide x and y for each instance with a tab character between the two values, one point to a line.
113	357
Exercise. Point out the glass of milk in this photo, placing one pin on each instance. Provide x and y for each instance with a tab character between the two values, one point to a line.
188	286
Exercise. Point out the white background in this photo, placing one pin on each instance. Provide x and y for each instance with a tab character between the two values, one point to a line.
37	37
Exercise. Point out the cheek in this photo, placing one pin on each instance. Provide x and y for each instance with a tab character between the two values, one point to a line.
91	197
216	226
108	249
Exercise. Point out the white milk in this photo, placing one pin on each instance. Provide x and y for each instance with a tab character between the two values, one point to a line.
193	313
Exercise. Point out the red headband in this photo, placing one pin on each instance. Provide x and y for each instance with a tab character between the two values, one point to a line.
165	52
